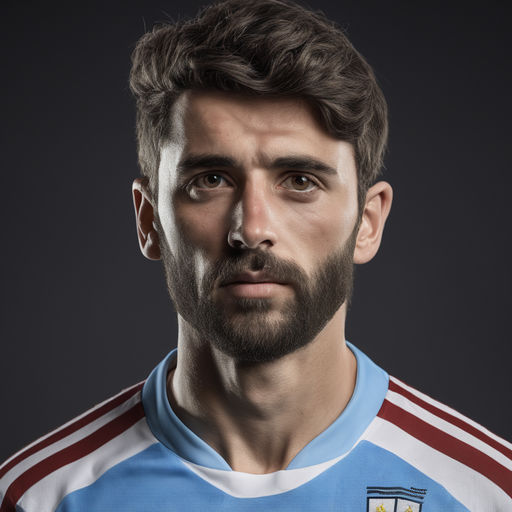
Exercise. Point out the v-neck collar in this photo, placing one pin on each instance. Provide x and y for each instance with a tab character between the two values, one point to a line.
337	439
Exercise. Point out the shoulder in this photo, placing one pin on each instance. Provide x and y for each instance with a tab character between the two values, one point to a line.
471	462
74	455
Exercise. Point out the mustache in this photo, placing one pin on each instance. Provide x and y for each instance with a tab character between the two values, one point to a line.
275	268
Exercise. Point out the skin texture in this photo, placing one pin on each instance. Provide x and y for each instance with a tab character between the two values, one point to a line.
252	202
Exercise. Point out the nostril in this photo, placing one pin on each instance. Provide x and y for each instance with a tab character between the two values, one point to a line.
235	241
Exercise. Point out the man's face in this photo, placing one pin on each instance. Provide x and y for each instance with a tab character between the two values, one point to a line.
257	211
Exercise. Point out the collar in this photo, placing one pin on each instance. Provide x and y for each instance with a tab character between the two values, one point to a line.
336	440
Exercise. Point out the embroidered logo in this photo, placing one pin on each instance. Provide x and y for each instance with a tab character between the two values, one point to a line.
394	499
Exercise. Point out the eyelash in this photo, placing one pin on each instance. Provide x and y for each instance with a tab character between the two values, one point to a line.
312	182
201	176
313	185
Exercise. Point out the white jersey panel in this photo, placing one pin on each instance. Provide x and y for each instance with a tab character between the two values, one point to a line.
472	489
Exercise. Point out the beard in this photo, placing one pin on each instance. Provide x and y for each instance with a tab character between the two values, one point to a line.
254	330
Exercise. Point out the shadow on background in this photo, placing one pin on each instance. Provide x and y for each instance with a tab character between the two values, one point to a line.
84	315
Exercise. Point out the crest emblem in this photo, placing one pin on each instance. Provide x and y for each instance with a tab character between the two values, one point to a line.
394	499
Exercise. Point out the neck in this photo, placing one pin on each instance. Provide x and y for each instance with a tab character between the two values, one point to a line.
249	413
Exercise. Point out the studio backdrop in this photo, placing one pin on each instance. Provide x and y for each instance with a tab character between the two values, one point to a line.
85	315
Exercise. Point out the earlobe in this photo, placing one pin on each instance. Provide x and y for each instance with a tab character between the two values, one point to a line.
376	210
144	218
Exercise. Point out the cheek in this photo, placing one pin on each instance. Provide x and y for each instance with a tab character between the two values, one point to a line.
203	228
322	230
193	237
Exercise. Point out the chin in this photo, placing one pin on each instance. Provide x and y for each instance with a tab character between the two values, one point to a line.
259	337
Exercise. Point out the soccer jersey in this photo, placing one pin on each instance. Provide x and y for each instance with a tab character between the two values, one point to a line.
392	449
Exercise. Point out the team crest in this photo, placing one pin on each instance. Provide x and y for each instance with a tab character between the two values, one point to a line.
394	499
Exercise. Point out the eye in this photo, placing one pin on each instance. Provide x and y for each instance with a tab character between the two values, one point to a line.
210	181
299	183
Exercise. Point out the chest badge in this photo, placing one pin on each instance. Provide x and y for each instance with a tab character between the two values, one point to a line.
394	499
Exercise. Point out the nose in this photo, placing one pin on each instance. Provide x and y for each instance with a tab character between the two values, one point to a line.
252	219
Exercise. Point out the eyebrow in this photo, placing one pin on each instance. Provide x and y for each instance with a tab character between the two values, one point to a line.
303	163
291	162
205	161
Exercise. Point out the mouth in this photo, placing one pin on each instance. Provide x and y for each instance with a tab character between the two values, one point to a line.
253	285
251	278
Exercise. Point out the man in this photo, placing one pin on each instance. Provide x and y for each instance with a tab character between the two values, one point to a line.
261	133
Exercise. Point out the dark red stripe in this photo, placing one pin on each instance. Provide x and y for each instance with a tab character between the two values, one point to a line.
470	429
70	454
447	444
73	427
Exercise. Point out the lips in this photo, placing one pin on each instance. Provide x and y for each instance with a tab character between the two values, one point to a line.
251	278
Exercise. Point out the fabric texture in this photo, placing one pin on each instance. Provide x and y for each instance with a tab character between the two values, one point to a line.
393	449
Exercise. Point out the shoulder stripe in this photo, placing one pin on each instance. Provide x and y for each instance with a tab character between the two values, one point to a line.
69	454
70	427
447	444
394	385
69	440
447	427
48	494
451	415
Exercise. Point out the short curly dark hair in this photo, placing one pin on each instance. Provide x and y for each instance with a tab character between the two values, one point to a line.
259	47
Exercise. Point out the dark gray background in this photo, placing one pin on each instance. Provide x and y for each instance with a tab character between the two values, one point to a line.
84	314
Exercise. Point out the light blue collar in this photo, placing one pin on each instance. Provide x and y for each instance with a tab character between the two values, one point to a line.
338	438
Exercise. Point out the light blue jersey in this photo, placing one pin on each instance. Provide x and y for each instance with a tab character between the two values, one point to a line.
392	449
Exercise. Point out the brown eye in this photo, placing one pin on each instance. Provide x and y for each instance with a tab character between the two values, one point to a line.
299	183
210	181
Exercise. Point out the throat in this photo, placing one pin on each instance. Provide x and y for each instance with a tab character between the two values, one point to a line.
259	417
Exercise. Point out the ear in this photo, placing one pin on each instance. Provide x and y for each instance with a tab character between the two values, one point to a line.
376	211
144	217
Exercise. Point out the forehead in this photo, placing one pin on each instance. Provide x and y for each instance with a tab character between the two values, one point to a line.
213	108
218	122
